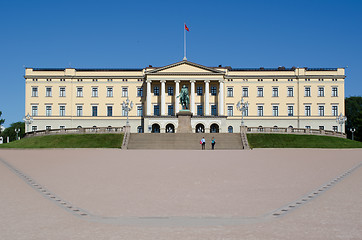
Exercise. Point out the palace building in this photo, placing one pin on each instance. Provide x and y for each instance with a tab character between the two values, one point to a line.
282	97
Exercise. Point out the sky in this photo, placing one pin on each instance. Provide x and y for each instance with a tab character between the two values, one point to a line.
135	34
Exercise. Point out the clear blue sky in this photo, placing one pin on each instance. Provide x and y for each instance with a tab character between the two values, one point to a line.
111	34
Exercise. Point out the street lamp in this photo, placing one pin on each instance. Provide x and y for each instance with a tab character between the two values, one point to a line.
17	130
341	120
242	106
28	120
352	130
127	106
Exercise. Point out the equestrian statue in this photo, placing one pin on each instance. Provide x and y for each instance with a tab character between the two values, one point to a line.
184	98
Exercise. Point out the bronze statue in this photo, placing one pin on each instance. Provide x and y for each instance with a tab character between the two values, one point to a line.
184	98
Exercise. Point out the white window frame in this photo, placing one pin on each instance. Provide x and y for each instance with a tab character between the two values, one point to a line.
139	110
307	93
334	91
79	91
290	92
48	93
260	92
109	91
61	91
334	110
124	91
245	91
321	110
230	92
34	92
62	110
48	110
275	92
260	110
34	110
321	92
79	110
230	110
94	91
275	109
307	110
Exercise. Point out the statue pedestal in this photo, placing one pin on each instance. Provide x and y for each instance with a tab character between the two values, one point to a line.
184	121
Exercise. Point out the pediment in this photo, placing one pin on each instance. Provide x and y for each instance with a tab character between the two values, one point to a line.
184	67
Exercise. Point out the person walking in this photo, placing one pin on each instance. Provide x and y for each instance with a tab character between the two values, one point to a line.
213	143
203	143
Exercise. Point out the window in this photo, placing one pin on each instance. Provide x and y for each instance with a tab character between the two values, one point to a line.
109	111
140	129
230	111
245	92
275	111
156	91
307	91
321	110
170	110
200	110
230	129
335	128
230	92
290	110
156	110
62	111
321	92
48	92
307	110
213	90
275	92
34	128
290	92
139	111
62	92
109	91
48	127
260	111
79	92
34	110
61	127
140	92
48	111
79	111
94	92
335	110
94	111
334	92
124	92
170	91
260	92
124	113
246	112
321	127
199	91
34	91
307	127
213	110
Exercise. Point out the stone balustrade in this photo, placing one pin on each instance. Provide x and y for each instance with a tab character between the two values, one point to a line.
307	131
90	130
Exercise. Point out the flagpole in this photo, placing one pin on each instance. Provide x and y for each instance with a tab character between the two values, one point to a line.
185	42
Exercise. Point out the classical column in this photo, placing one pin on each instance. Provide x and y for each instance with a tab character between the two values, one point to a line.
192	96
207	96
177	92
163	106
148	97
221	98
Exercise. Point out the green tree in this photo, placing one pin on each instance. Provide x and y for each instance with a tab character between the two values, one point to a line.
354	117
1	121
10	131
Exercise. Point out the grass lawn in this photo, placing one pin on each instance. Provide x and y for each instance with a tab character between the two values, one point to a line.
260	140
69	141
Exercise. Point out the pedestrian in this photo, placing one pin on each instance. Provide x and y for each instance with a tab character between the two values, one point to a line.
213	143
202	141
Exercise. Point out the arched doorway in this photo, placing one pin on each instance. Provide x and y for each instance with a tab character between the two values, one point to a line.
200	128
214	128
140	129
230	129
155	128
170	128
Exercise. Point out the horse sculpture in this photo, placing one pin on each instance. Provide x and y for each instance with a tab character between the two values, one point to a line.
184	98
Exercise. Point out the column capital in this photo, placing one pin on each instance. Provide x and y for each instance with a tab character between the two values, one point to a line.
207	81
148	81
177	81
221	81
192	81
162	81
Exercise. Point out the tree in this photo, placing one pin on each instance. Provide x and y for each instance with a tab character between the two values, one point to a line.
10	131
1	121
354	117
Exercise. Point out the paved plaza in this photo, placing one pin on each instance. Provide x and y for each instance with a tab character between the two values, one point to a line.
179	194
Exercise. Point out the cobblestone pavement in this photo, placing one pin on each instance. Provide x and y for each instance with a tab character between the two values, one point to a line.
175	194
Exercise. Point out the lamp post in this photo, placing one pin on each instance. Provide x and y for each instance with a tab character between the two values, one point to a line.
352	130
242	106
28	120
127	106
341	120
17	130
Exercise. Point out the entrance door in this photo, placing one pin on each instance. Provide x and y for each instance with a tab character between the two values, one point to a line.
155	128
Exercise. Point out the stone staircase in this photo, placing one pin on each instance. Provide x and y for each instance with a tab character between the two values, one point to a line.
183	141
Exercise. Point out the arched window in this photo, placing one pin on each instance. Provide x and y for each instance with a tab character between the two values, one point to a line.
155	128
140	129
214	128
170	128
230	129
200	128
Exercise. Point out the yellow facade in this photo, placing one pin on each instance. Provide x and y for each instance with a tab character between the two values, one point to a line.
276	97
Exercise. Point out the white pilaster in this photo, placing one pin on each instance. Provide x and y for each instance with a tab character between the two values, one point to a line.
148	97
177	100
163	106
207	96
221	98
192	96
